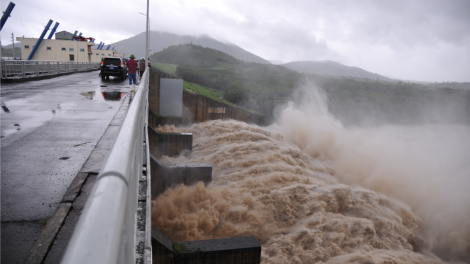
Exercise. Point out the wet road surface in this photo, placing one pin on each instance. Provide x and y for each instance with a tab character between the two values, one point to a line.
48	130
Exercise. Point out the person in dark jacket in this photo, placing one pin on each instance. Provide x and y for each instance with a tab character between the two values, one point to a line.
131	70
141	67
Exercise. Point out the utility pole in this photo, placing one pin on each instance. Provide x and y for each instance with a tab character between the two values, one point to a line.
147	38
13	41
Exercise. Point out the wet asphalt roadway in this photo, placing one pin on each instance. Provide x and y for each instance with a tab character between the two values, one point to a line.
48	130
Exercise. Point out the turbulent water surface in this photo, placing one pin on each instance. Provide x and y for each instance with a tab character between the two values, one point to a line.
311	190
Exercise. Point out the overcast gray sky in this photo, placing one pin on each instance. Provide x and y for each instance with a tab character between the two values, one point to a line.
423	40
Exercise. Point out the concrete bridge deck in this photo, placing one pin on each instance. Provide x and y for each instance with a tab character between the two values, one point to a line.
51	130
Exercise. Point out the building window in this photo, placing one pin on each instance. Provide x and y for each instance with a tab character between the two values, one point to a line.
109	54
217	110
49	48
26	46
82	50
97	54
70	49
64	49
102	54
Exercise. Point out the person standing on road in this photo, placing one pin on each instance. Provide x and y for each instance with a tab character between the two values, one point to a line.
131	69
141	67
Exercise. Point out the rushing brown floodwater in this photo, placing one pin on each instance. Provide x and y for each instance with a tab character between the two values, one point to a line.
311	190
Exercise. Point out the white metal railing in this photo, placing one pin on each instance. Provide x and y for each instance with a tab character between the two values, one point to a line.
106	231
14	69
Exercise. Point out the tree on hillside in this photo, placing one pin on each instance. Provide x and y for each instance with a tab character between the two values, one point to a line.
235	93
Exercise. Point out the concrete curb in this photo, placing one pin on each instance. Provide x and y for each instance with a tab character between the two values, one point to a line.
44	243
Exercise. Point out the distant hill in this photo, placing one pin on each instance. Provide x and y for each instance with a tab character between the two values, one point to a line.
277	62
9	46
333	69
7	50
196	56
454	85
160	40
359	100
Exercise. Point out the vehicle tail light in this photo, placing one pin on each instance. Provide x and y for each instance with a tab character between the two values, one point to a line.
102	63
121	63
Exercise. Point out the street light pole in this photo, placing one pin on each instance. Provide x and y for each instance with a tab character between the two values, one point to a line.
147	38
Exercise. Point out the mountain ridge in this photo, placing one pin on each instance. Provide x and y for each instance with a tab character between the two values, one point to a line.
160	40
333	68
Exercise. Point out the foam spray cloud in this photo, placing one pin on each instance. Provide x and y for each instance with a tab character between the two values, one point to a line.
312	190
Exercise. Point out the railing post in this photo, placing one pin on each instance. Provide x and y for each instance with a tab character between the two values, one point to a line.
25	69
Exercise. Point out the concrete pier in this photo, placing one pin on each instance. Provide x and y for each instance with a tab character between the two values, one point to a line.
165	176
169	144
235	250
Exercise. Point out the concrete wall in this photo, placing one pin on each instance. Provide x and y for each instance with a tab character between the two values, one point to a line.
169	144
243	250
154	89
201	109
162	248
171	97
166	176
155	121
197	108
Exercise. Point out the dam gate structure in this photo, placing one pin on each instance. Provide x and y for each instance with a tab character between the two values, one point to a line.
162	91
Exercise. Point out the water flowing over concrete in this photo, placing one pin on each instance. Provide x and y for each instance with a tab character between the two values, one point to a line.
313	190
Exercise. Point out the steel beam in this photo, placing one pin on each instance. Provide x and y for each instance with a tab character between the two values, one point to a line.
53	30
7	13
74	34
35	48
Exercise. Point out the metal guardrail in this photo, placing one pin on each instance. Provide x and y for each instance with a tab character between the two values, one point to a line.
106	231
17	69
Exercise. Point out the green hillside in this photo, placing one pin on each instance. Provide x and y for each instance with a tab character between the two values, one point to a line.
255	86
353	101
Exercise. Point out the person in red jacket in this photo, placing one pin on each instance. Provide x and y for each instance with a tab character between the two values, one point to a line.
131	70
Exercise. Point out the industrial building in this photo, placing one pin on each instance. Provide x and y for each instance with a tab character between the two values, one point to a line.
64	50
63	35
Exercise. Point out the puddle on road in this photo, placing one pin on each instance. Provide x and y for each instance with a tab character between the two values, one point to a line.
104	94
34	119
